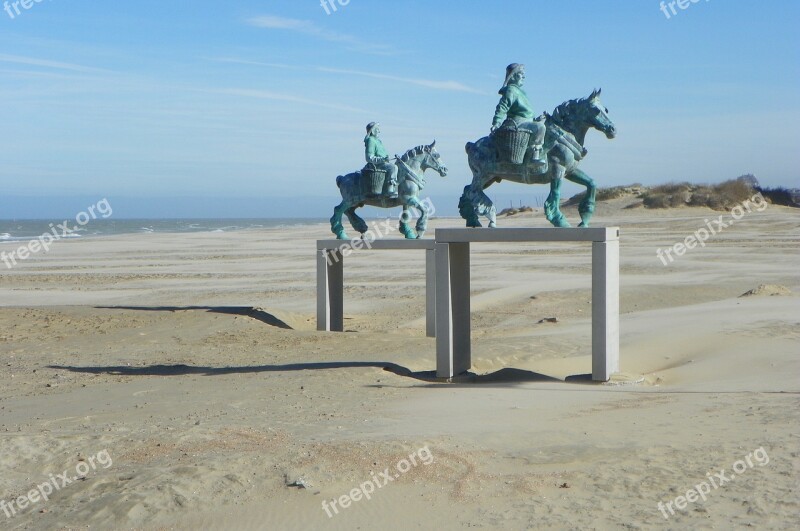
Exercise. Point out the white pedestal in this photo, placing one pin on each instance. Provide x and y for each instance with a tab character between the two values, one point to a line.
330	277
453	349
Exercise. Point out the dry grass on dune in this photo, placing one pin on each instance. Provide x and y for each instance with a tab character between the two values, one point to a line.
722	196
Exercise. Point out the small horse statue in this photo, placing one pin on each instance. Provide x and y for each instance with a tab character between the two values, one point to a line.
411	181
566	132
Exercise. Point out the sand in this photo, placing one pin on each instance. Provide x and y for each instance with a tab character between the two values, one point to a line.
194	361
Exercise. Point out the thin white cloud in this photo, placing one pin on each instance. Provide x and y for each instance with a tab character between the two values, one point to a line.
453	86
35	74
32	61
253	63
270	21
306	27
267	95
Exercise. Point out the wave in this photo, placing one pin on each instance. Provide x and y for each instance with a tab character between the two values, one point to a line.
13	230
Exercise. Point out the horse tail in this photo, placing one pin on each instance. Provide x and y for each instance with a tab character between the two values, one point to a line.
463	201
466	208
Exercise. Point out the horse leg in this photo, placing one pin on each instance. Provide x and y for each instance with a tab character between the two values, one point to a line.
336	221
485	207
355	220
490	212
475	203
467	208
586	206
404	227
422	222
552	207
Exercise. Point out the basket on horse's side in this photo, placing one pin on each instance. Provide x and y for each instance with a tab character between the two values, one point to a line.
512	143
372	180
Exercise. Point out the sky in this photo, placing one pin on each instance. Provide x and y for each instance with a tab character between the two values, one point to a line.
253	108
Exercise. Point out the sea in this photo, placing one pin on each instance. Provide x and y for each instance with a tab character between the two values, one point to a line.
23	230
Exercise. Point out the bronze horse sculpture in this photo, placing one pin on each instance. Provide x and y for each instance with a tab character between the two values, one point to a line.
566	131
411	180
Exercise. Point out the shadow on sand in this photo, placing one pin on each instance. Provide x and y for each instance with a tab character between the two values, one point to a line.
247	311
507	376
504	377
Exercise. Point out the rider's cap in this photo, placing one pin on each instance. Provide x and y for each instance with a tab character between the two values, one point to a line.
512	69
371	126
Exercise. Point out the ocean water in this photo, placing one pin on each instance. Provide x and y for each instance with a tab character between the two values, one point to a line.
22	230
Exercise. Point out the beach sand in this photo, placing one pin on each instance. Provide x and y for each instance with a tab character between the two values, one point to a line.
194	361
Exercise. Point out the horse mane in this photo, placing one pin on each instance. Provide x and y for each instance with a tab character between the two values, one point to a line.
413	152
563	111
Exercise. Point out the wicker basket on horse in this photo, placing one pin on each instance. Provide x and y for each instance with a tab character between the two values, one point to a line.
512	143
373	179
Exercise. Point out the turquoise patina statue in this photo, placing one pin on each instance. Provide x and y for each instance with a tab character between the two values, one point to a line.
377	155
373	186
514	112
511	155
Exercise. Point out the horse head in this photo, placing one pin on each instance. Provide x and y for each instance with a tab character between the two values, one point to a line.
424	157
577	116
434	160
596	115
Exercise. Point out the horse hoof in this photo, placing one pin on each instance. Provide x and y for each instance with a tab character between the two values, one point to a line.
342	236
420	234
492	225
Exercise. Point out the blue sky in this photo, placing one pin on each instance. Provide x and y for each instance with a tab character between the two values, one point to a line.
245	99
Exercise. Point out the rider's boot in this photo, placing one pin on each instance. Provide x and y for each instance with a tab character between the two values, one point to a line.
537	153
538	162
391	190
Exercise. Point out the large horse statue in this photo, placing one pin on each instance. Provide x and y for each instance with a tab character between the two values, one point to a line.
411	180
566	131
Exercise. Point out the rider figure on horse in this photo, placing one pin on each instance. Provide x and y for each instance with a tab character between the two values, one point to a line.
515	110
377	155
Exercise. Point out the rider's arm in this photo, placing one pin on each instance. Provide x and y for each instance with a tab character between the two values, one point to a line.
502	109
371	152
